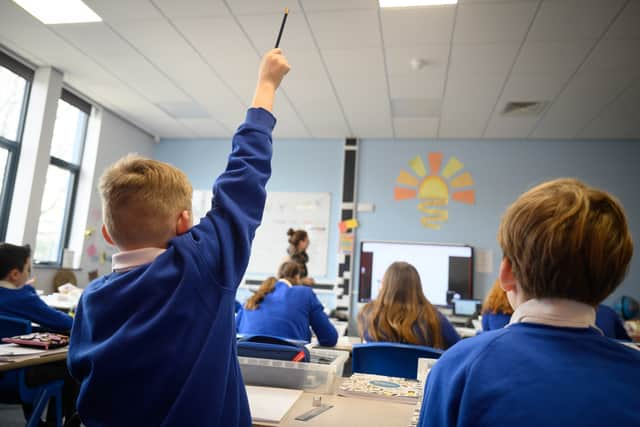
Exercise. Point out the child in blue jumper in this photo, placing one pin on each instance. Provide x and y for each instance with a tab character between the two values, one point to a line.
402	313
153	343
285	308
20	300
566	247
17	299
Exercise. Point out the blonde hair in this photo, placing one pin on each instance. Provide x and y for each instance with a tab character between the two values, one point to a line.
565	239
497	301
141	200
289	270
401	313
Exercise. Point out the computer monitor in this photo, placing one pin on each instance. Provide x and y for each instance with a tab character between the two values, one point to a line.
444	269
466	307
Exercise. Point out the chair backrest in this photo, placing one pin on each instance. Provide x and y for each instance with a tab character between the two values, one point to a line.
11	326
391	359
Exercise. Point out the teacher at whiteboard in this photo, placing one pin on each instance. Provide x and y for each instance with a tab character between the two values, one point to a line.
297	250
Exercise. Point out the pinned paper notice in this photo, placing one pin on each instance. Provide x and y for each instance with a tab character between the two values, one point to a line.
346	243
348	224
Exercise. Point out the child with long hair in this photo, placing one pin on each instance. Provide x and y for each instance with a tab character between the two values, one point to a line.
402	313
282	309
297	251
496	310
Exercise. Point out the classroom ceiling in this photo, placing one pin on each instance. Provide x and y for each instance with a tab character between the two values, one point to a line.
187	68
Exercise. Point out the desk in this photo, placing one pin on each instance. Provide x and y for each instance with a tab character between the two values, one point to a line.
8	363
466	332
61	301
344	344
348	411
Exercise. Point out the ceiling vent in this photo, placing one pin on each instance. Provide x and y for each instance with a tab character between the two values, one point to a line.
524	108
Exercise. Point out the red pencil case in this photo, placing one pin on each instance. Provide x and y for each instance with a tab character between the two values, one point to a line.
44	340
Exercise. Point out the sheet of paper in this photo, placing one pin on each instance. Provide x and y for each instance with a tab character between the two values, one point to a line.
16	350
270	404
483	260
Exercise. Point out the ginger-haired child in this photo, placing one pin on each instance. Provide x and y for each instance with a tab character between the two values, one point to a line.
153	343
566	246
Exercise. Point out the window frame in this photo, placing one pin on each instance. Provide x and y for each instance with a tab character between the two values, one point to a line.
74	170
13	147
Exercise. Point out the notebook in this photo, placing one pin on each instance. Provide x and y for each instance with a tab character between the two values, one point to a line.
271	404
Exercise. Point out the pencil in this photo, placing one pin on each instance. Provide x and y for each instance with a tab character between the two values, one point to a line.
284	20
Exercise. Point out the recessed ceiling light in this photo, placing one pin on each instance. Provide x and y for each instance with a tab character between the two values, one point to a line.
410	3
59	11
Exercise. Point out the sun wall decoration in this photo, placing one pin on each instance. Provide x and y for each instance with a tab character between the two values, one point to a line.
435	188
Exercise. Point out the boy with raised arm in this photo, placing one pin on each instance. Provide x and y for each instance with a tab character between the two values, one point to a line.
153	343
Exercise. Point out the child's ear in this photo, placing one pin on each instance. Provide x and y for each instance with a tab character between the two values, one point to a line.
13	275
106	235
183	224
507	279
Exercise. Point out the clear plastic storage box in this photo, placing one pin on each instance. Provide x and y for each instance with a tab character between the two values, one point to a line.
319	375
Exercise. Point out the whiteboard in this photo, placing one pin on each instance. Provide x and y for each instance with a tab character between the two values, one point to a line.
283	210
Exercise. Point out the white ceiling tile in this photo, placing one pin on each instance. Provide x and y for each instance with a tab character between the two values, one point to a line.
319	5
289	125
192	8
435	56
262	7
619	119
627	26
615	56
490	58
472	95
124	10
415	127
579	103
364	64
263	31
117	56
223	45
559	57
523	87
417	26
461	125
560	20
346	29
421	84
206	128
493	22
510	127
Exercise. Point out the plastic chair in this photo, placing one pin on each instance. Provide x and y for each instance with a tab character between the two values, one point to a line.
390	359
13	387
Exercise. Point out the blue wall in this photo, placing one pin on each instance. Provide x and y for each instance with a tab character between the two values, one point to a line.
501	171
298	166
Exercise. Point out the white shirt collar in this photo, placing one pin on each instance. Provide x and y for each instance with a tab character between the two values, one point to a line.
555	312
8	285
286	282
128	260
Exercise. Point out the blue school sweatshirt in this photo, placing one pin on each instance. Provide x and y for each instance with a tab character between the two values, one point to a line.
156	345
610	323
449	334
491	321
25	303
287	312
530	375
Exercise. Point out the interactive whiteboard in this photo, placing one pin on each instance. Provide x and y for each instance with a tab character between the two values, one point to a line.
283	210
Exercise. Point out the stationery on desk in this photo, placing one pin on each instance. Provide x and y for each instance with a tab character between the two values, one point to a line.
270	404
381	387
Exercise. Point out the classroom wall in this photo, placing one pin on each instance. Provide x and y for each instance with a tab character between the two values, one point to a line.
501	170
117	138
297	166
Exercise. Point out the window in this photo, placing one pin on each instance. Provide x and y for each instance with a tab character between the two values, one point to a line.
62	178
15	82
